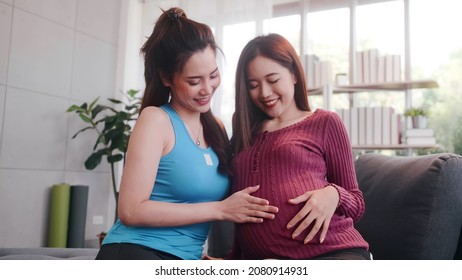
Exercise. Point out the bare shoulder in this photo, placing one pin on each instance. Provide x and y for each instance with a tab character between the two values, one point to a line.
153	117
152	120
154	112
153	129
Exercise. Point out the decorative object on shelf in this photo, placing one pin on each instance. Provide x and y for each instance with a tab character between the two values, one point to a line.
420	136
418	117
112	130
341	79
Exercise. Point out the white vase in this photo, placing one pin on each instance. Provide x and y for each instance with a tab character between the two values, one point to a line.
419	121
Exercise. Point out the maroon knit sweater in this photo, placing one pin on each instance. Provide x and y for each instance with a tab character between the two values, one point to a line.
287	163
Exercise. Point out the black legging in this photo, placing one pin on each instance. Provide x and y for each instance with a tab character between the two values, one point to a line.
346	254
129	251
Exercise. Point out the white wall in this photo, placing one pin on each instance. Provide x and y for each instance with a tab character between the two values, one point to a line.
53	53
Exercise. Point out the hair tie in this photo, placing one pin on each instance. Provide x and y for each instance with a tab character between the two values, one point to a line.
175	14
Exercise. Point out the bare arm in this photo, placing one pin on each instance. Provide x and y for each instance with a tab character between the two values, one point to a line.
151	138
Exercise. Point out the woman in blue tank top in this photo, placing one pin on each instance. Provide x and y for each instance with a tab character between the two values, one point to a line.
176	176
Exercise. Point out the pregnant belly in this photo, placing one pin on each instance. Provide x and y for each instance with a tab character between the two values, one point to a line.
270	239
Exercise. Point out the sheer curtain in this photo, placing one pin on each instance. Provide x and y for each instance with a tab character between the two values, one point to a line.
234	23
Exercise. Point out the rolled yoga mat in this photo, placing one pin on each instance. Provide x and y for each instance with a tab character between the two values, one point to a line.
77	217
59	215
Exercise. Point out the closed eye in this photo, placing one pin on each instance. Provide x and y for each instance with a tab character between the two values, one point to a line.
194	82
215	74
252	85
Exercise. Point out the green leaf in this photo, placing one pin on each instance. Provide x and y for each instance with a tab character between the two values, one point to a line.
100	140
123	145
118	141
131	107
83	129
115	158
85	118
115	101
132	92
93	103
73	108
97	110
94	159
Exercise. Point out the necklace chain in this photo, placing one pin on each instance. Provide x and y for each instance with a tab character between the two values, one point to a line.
198	142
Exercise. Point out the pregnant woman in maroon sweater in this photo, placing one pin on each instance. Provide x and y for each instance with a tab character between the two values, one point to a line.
302	161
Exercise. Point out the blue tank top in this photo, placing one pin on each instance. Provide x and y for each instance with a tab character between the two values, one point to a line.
187	174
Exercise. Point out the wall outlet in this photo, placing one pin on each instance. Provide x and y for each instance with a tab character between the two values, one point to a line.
98	220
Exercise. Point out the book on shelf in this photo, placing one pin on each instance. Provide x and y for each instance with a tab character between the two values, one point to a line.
366	67
354	126
388	68
359	68
396	129
325	72
373	55
317	74
419	132
380	69
422	140
387	113
362	130
369	126
309	68
396	68
377	135
345	116
372	126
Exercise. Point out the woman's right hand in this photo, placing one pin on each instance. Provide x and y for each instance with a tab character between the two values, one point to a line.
242	207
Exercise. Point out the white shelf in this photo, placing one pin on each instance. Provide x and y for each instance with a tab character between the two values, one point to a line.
393	86
393	147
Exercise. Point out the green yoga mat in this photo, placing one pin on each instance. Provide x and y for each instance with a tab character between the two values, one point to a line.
59	215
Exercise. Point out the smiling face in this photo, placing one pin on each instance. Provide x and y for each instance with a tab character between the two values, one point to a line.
271	87
193	88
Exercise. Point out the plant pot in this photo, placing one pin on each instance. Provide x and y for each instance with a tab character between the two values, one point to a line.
101	237
419	121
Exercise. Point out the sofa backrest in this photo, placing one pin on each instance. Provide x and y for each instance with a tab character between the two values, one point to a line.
413	205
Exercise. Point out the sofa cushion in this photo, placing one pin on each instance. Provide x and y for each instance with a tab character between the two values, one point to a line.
413	205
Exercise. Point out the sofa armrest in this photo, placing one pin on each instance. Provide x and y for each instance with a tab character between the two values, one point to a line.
413	205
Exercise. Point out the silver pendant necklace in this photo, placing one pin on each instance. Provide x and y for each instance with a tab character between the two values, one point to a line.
198	142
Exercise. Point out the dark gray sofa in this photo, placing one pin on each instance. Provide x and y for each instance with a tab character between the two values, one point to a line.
46	253
413	205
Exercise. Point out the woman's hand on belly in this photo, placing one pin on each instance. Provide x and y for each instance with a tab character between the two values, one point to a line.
242	207
318	210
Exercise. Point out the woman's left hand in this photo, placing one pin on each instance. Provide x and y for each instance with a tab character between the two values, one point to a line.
319	208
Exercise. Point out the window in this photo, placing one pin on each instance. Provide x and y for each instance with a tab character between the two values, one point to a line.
287	26
436	52
381	26
235	37
328	38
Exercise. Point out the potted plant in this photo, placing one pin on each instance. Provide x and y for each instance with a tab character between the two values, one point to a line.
112	127
418	117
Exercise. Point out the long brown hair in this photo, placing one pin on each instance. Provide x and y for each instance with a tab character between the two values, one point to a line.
173	41
248	118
